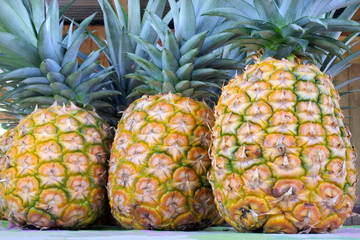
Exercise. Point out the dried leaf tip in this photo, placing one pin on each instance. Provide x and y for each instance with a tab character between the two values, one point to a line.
73	106
54	105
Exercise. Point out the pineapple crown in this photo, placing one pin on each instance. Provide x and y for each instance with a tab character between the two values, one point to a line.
135	35
190	59
41	64
304	28
118	27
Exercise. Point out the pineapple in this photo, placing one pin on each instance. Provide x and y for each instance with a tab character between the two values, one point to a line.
158	165
55	170
117	26
282	158
6	140
159	158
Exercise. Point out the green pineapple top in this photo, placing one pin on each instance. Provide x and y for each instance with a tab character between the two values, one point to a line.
281	28
131	42
41	64
118	24
189	60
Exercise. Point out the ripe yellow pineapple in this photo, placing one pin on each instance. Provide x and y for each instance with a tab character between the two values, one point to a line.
282	158
158	165
5	143
55	169
159	158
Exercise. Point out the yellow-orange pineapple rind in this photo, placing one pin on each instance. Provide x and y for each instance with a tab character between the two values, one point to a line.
158	165
279	131
56	174
6	140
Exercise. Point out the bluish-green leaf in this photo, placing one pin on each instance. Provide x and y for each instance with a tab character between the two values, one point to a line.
202	73
346	83
182	85
147	32
185	71
149	67
69	68
55	77
35	80
226	64
57	87
204	60
69	94
89	70
52	24
87	86
269	11
46	47
205	22
153	52
229	13
15	47
40	99
38	13
174	9
88	98
291	10
340	65
80	30
168	87
245	7
169	61
214	42
169	76
15	24
23	73
49	65
189	57
113	32
72	52
159	25
187	20
188	92
43	89
194	42
293	30
172	44
134	16
74	79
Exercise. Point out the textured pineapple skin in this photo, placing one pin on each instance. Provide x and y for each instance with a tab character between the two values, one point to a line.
282	160
158	165
6	140
55	171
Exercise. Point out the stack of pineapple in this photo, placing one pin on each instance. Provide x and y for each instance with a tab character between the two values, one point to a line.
281	157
